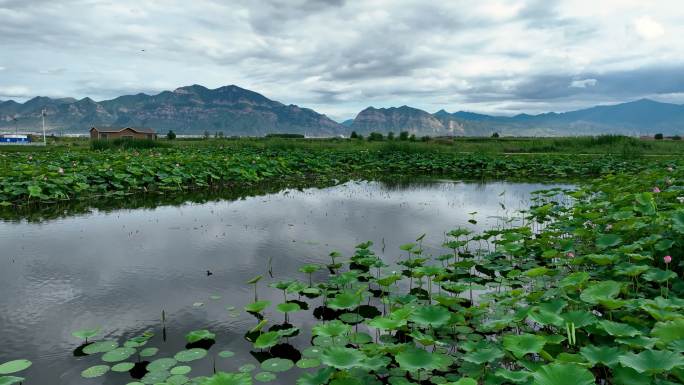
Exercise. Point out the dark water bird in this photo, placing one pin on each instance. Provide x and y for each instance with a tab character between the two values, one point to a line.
209	273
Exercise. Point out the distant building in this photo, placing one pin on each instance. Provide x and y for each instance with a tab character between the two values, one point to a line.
15	139
125	132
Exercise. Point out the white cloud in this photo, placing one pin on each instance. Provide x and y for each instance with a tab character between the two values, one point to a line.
339	56
15	91
583	83
648	28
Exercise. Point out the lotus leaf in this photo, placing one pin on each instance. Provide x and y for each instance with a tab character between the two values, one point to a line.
14	366
95	371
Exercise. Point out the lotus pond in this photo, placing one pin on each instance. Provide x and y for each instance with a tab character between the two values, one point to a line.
118	270
358	284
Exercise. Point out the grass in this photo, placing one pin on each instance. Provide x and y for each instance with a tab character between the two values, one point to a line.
605	144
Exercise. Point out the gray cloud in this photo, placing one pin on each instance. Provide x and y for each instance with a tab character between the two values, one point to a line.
497	56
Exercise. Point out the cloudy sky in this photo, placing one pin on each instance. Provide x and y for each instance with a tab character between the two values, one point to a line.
340	56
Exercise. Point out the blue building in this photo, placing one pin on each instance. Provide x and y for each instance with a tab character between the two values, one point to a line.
15	139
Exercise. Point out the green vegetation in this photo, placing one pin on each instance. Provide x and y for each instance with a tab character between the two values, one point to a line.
604	144
582	293
64	173
286	136
127	144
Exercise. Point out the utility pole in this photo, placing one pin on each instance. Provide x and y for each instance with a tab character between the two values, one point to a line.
16	130
44	139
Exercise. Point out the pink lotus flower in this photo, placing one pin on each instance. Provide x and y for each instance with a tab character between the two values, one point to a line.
667	259
670	169
61	170
608	227
656	189
570	255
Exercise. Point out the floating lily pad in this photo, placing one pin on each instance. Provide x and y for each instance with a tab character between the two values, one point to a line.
351	318
183	369
306	363
123	367
265	377
14	366
246	368
11	380
277	365
161	364
177	379
155	377
312	351
95	371
149	352
86	333
190	355
226	354
100	347
118	354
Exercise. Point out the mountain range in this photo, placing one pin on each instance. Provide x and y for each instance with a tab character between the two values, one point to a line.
237	111
189	110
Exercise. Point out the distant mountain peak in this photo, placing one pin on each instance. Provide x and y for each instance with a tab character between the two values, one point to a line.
188	109
190	89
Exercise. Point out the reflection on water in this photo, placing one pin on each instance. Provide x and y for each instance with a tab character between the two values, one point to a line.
120	268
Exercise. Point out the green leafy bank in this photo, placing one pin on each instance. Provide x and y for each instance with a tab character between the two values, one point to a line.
59	175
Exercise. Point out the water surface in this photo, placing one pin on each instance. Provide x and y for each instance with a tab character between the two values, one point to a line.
120	269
